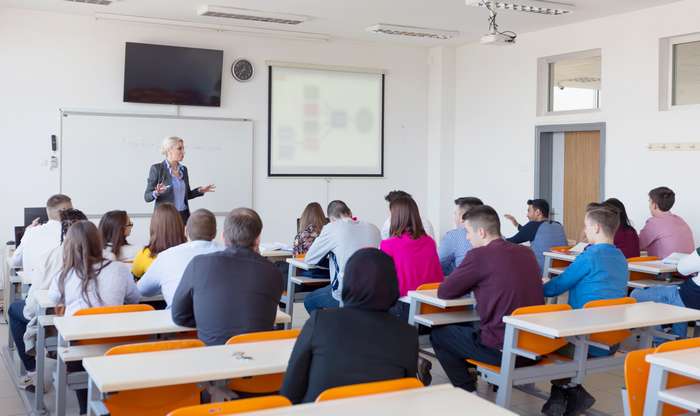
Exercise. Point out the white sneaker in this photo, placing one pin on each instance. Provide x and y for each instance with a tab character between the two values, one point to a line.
26	380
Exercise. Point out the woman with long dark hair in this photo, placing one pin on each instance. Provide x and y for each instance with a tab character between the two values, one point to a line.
115	226
166	230
626	237
311	223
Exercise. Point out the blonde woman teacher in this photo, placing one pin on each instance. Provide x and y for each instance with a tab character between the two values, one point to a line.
168	181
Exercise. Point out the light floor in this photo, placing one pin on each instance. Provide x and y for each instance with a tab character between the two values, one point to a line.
604	386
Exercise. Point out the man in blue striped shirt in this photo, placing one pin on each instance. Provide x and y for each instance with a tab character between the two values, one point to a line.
455	245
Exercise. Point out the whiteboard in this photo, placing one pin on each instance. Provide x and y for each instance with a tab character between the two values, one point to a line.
105	158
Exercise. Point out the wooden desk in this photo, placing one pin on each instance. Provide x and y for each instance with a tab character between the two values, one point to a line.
576	325
430	297
110	374
443	400
291	296
683	362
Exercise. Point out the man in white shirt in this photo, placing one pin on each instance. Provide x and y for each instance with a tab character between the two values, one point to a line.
387	224
38	240
165	273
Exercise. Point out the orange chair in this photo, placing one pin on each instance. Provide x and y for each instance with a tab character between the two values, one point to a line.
639	275
428	309
157	400
267	383
537	344
637	377
102	310
366	389
232	407
610	338
556	263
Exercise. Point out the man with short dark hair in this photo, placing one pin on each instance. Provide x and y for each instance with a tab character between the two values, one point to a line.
165	273
503	277
339	239
665	233
387	224
540	231
230	292
455	245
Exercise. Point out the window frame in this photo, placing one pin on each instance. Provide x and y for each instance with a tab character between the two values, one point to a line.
667	74
544	81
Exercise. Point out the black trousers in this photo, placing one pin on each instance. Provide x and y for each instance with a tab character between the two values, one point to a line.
185	215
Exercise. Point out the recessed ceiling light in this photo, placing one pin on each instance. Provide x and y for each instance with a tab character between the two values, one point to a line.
528	6
251	15
97	2
412	31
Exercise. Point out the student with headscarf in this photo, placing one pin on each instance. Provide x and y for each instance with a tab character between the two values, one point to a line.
358	343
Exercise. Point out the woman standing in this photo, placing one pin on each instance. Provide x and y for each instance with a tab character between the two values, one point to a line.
168	181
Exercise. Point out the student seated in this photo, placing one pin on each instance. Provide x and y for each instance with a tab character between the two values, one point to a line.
38	240
230	292
358	343
626	238
23	326
685	295
387	224
455	244
89	280
665	233
413	251
540	231
339	239
600	272
503	277
165	273
166	230
115	227
311	224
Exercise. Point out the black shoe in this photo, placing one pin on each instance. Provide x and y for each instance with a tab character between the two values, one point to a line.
424	367
556	404
578	400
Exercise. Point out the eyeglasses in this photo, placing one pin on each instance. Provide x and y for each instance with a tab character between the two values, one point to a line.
131	224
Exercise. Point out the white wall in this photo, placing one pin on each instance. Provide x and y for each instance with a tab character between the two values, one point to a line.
51	61
496	113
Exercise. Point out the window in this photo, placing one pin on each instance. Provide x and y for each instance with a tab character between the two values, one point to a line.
679	83
570	82
686	73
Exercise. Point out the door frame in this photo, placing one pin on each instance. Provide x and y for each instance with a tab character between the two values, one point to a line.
566	128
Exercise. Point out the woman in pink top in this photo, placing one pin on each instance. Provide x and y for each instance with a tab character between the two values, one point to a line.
414	252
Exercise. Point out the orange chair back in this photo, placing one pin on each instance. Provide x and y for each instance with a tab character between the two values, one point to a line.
366	389
560	263
428	309
268	383
610	338
537	343
638	275
233	407
636	376
675	380
560	249
103	310
157	400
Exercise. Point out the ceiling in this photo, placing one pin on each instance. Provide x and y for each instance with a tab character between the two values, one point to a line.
348	19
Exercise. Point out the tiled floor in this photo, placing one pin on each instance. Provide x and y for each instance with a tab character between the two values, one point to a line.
604	386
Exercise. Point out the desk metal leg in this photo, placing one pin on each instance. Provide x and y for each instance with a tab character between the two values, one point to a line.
656	383
40	361
505	390
580	357
412	310
289	307
61	375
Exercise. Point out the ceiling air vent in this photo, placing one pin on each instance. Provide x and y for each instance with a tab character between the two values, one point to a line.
251	15
552	8
412	31
98	2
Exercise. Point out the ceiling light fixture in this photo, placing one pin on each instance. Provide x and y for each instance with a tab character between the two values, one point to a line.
97	2
251	15
412	31
552	8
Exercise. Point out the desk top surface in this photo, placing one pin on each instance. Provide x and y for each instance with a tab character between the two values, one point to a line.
191	365
430	297
686	361
609	318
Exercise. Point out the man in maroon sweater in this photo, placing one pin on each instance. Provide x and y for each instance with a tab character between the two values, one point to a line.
503	276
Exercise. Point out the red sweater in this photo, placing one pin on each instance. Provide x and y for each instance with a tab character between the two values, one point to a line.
503	276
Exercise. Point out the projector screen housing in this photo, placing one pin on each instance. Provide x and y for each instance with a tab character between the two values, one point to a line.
325	121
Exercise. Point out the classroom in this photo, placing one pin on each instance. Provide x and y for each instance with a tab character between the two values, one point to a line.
328	207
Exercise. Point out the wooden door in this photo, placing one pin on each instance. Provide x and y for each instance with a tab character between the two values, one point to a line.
581	178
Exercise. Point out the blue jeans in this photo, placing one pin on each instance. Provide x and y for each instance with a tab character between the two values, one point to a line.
664	294
18	325
320	299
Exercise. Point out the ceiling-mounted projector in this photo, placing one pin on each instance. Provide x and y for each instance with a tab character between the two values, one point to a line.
498	39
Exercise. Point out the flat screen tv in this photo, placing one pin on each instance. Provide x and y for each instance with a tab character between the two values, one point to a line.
160	74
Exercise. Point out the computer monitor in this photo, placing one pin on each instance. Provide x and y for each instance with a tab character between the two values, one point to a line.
19	233
32	213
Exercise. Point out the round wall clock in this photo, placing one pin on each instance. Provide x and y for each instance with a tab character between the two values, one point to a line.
242	70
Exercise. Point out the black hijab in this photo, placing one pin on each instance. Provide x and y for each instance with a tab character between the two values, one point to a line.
370	281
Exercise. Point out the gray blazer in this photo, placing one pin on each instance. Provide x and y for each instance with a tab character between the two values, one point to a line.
160	173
